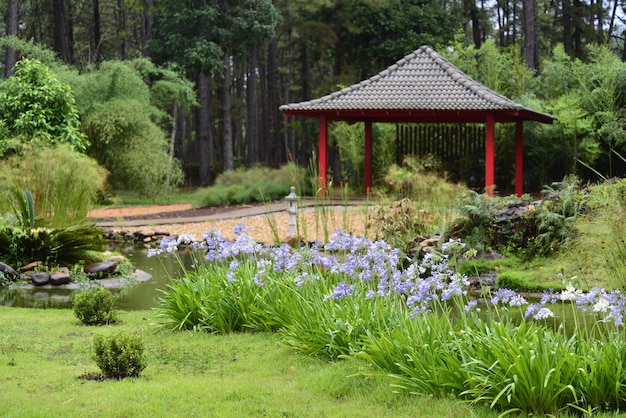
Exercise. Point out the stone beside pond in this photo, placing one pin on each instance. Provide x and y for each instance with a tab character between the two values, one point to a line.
105	273
138	237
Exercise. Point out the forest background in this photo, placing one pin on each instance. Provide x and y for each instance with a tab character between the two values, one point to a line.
169	92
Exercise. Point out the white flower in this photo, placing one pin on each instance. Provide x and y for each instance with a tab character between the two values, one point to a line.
571	293
185	239
543	313
602	305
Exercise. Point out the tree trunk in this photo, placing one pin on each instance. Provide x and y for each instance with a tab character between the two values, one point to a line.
61	41
122	28
97	32
148	23
472	11
252	102
205	143
11	54
170	157
612	22
578	46
278	153
239	149
531	51
568	39
227	123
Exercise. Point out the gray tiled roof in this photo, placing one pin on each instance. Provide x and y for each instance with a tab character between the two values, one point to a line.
423	80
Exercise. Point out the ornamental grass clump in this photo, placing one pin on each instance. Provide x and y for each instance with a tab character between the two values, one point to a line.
419	324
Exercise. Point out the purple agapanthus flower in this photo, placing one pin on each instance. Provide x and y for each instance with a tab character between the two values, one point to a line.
342	290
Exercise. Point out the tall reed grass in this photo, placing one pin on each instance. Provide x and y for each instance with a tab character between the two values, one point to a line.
64	184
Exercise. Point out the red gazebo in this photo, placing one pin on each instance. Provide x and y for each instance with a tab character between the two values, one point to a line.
422	87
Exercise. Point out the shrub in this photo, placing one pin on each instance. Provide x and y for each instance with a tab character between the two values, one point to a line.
120	355
258	184
35	107
95	306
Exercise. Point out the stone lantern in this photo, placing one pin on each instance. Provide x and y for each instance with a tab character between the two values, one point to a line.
292	210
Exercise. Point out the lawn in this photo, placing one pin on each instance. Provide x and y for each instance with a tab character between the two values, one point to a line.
45	357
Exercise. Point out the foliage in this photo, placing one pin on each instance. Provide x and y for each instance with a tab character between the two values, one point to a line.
502	70
423	198
563	203
258	184
64	246
36	108
24	209
119	356
399	223
421	180
417	324
475	220
122	124
537	228
350	142
95	306
197	37
63	183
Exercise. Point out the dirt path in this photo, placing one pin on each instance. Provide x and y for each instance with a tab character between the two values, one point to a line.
313	224
137	210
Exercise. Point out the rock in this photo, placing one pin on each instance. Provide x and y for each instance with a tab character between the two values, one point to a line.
101	267
59	277
9	272
292	241
40	278
430	242
30	266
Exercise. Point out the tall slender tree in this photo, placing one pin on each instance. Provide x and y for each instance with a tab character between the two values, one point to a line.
62	32
531	49
12	21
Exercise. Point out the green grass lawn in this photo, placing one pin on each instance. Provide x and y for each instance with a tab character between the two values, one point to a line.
46	354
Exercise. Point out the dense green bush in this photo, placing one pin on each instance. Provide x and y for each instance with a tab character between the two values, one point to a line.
119	356
95	306
257	184
122	125
36	108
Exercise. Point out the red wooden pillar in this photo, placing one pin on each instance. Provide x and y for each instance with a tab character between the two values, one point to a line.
519	158
490	151
323	140
368	157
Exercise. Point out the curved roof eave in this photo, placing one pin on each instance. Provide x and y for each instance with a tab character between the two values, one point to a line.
421	87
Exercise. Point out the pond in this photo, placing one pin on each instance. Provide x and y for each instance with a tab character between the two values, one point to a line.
136	296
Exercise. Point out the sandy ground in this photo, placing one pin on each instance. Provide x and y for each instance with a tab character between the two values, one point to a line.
312	224
137	210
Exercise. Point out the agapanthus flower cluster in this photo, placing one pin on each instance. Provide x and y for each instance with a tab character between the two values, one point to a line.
376	265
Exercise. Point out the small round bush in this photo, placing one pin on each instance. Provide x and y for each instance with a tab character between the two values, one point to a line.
94	306
119	356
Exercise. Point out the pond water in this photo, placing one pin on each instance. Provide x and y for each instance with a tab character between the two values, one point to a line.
136	296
